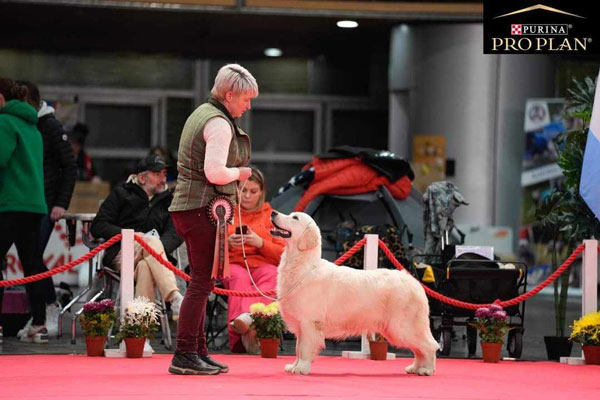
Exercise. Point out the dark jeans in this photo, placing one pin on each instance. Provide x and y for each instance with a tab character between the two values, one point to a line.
23	229
199	236
46	229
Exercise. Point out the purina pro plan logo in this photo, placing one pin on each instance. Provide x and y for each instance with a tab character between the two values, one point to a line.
530	27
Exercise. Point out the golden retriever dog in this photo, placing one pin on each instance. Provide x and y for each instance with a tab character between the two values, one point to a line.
319	300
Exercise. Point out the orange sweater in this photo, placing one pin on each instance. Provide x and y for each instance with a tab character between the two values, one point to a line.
260	222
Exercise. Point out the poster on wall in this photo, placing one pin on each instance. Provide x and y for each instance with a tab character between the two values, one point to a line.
544	121
428	160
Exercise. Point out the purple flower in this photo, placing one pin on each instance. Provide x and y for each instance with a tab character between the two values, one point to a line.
107	304
483	312
495	307
102	306
91	306
500	315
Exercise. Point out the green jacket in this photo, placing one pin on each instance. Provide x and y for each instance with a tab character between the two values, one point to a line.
21	160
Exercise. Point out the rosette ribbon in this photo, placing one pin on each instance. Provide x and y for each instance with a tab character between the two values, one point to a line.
220	212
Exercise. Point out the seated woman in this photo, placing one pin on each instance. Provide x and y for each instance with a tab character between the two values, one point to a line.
262	253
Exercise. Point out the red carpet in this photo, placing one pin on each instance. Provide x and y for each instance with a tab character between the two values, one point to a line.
79	377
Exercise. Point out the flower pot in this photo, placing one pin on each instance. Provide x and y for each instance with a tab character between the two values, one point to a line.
591	354
268	347
135	347
557	347
378	350
491	352
94	345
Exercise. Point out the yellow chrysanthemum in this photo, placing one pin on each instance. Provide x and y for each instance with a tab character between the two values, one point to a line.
586	330
257	308
271	309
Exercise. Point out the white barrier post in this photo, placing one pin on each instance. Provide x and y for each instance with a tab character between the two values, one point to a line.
369	263
126	287
589	286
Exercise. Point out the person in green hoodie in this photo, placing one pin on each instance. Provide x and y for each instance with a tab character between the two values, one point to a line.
22	201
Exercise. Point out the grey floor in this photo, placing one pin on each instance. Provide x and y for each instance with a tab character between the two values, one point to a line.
539	322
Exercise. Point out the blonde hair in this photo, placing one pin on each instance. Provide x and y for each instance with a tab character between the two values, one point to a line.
258	177
235	78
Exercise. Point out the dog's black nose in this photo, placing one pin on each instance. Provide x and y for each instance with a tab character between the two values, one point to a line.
273	214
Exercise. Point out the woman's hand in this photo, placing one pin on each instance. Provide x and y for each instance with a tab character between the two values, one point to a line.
245	173
251	238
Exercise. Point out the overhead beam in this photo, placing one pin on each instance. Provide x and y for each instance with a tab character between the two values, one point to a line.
400	10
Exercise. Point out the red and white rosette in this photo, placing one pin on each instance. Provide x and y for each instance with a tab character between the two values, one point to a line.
220	212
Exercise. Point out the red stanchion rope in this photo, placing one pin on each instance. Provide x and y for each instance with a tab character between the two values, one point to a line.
357	246
505	303
62	268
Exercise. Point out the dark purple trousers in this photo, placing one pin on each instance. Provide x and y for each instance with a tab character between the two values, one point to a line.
199	236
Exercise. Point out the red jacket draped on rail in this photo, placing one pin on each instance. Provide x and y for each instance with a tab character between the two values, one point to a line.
348	176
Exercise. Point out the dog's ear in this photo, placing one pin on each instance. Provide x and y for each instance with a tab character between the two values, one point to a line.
308	240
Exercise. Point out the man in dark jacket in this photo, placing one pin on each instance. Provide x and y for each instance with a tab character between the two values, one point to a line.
142	204
59	182
59	163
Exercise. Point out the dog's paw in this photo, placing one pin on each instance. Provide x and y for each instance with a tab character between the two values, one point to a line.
301	367
425	371
411	369
289	367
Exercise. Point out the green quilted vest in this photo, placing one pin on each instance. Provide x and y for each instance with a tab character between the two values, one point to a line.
193	189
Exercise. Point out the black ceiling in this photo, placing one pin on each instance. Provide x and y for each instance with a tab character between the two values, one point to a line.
60	28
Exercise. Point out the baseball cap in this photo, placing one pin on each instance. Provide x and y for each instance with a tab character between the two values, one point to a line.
153	162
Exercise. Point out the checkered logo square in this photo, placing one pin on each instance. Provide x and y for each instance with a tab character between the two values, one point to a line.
516	29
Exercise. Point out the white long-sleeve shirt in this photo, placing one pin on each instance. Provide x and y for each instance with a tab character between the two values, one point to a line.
217	135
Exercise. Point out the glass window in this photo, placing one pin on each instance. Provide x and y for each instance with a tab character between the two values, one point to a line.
364	128
178	110
277	174
115	170
282	130
121	126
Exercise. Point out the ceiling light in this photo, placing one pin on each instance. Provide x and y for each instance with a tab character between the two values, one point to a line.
347	24
273	52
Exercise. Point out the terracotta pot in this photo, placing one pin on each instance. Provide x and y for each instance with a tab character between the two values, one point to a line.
268	347
491	352
135	347
591	354
94	345
378	350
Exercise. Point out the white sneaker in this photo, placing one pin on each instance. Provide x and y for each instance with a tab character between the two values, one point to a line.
24	330
176	301
36	334
52	311
242	323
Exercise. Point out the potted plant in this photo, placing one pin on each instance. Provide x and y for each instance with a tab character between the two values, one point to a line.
586	331
268	324
492	324
378	346
138	323
563	213
96	320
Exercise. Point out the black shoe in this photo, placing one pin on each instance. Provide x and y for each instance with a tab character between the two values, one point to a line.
222	367
190	364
